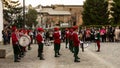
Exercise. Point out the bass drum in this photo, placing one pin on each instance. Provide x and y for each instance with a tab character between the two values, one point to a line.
24	40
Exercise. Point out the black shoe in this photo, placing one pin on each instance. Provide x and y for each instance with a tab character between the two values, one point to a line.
78	58
82	50
56	56
72	51
59	54
76	61
42	58
98	51
16	61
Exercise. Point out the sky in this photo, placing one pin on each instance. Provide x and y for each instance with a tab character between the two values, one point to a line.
49	2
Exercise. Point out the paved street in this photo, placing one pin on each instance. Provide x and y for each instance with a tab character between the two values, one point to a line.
107	58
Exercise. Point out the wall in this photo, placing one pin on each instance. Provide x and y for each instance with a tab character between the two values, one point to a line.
1	20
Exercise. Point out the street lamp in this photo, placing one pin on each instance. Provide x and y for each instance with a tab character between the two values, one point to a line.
24	13
41	20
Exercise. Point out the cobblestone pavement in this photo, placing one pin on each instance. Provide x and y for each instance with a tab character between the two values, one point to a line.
110	52
107	58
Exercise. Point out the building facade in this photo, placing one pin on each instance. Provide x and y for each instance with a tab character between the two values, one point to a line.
60	15
75	10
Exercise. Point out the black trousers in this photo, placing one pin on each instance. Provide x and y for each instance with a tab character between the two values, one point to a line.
76	51
67	40
56	47
103	38
40	49
82	46
16	51
71	45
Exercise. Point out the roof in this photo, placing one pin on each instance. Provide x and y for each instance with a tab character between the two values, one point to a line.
59	13
50	11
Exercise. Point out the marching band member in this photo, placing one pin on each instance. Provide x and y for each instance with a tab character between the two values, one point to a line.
57	41
40	42
71	40
30	34
67	36
24	48
76	43
15	44
21	47
23	33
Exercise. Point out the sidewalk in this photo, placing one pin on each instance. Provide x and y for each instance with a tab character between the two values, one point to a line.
8	48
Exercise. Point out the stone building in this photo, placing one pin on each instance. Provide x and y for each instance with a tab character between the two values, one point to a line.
75	10
60	15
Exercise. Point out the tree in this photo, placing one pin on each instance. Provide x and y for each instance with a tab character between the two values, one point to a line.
31	17
11	11
95	12
115	12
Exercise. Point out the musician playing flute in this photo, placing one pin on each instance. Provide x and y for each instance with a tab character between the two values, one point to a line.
40	42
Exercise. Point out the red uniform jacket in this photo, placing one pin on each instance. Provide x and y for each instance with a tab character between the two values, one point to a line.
56	36
14	38
67	34
39	38
76	40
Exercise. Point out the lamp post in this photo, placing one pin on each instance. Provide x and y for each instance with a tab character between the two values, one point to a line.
42	21
24	13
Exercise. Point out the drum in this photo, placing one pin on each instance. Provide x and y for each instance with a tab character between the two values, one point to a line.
24	40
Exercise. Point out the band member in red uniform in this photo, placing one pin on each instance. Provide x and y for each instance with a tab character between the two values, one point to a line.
40	42
76	43
16	49
67	36
57	41
24	48
30	34
21	47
